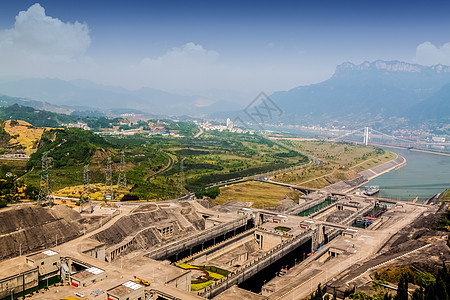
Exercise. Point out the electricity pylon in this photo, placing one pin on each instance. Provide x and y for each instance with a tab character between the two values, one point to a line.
86	194
108	192
45	193
122	181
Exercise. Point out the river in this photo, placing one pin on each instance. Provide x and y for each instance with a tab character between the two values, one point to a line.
424	176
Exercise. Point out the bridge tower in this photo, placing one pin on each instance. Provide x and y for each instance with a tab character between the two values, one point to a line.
122	180
366	136
45	193
108	192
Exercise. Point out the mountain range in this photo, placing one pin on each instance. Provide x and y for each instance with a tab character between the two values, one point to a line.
86	95
369	93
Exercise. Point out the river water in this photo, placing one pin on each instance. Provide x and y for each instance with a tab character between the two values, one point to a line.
424	176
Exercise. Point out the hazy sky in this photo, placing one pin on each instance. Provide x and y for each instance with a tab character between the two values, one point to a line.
215	47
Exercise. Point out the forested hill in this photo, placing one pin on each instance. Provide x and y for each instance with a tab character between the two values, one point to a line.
38	118
43	118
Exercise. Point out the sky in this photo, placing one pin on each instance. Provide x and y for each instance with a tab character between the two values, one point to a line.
219	49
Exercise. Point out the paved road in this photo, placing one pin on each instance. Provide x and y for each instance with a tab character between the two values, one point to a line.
163	170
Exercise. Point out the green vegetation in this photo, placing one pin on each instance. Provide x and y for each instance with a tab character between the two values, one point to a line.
39	118
42	287
213	272
282	228
444	222
315	208
212	192
430	287
13	190
182	128
4	137
163	167
319	294
339	161
446	196
261	194
157	167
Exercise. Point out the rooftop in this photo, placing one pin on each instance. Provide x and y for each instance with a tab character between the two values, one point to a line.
237	293
125	288
93	271
13	266
42	255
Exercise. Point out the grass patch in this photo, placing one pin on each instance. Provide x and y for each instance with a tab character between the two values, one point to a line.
446	195
261	194
282	228
24	134
341	161
214	274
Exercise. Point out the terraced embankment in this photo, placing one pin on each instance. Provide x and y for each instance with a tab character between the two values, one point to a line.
32	228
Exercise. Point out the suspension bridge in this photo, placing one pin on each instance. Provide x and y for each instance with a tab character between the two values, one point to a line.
370	136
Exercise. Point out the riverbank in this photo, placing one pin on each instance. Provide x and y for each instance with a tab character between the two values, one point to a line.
425	175
413	149
346	186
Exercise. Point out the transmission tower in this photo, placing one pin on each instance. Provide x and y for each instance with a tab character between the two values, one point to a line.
86	194
45	193
122	181
108	192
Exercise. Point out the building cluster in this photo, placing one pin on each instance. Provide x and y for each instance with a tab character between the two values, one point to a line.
78	124
229	126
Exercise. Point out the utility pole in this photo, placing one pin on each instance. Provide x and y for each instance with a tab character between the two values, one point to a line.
122	181
108	193
45	193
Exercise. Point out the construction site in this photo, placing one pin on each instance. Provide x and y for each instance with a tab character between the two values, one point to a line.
183	250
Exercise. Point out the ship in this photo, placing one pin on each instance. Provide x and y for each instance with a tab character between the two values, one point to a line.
371	190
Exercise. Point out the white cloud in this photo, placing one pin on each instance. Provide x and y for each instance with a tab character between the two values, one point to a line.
190	66
429	54
188	54
42	45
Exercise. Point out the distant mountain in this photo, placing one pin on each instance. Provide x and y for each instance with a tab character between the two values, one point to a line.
84	93
8	101
435	107
369	91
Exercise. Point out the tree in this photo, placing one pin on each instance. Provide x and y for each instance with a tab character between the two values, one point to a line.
31	192
402	290
213	192
318	294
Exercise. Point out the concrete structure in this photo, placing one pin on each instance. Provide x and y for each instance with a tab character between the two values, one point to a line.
87	277
126	291
16	276
130	256
47	262
308	201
